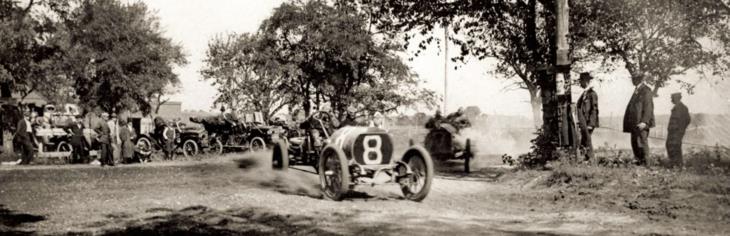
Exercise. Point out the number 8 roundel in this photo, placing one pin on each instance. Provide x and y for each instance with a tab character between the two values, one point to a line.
373	149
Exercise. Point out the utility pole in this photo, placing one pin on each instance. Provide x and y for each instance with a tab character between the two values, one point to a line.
566	126
446	68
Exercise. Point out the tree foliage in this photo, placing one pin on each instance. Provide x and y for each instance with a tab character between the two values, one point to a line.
31	51
330	56
117	56
518	34
246	79
659	39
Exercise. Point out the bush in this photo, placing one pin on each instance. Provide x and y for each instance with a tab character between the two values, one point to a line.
542	150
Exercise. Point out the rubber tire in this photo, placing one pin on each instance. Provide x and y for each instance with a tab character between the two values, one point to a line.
149	145
68	146
185	150
280	156
257	139
419	151
344	173
467	156
213	143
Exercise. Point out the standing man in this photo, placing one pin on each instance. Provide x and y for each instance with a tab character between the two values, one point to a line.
80	150
114	135
104	137
639	118
168	137
587	113
24	138
678	122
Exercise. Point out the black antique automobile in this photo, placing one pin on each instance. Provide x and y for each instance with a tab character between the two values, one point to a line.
232	133
354	155
149	138
442	142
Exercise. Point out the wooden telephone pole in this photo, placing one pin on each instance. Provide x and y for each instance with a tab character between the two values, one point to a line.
566	124
558	121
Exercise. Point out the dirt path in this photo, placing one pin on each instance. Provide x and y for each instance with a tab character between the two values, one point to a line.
241	195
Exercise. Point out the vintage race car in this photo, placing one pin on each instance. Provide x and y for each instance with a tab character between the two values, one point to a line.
364	155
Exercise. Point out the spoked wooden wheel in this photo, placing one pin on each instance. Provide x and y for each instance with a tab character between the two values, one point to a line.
216	146
280	156
257	144
144	147
190	148
334	176
418	183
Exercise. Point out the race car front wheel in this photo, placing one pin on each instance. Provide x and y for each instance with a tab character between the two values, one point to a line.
334	175
280	156
418	183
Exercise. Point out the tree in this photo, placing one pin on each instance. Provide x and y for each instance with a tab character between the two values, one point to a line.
31	49
245	76
332	57
518	34
659	39
118	57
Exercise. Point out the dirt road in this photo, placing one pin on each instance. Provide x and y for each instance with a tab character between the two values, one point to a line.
236	195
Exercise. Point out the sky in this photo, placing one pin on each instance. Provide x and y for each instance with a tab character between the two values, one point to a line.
192	23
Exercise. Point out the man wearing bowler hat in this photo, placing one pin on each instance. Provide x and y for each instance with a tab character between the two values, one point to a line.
587	110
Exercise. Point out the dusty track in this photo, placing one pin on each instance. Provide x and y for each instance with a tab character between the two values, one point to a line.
241	195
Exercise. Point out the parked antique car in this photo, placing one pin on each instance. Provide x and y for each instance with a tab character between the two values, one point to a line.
250	133
52	138
189	140
441	140
355	155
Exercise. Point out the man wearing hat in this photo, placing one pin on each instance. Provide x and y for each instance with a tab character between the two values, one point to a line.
639	118
678	122
80	150
104	137
24	136
587	110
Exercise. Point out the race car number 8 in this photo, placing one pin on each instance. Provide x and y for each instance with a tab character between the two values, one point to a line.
372	148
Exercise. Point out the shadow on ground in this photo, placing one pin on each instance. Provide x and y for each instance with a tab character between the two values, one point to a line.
200	220
454	169
11	222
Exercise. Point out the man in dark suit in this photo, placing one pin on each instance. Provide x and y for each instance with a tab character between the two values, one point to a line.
587	114
80	151
104	137
639	118
678	122
24	138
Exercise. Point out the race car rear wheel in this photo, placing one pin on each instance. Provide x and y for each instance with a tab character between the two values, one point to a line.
190	148
280	156
418	184
334	174
257	144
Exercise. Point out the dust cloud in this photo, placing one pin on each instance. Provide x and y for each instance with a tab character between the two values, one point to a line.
258	171
496	137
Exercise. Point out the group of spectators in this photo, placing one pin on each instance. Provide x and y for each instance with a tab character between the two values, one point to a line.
114	137
638	120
